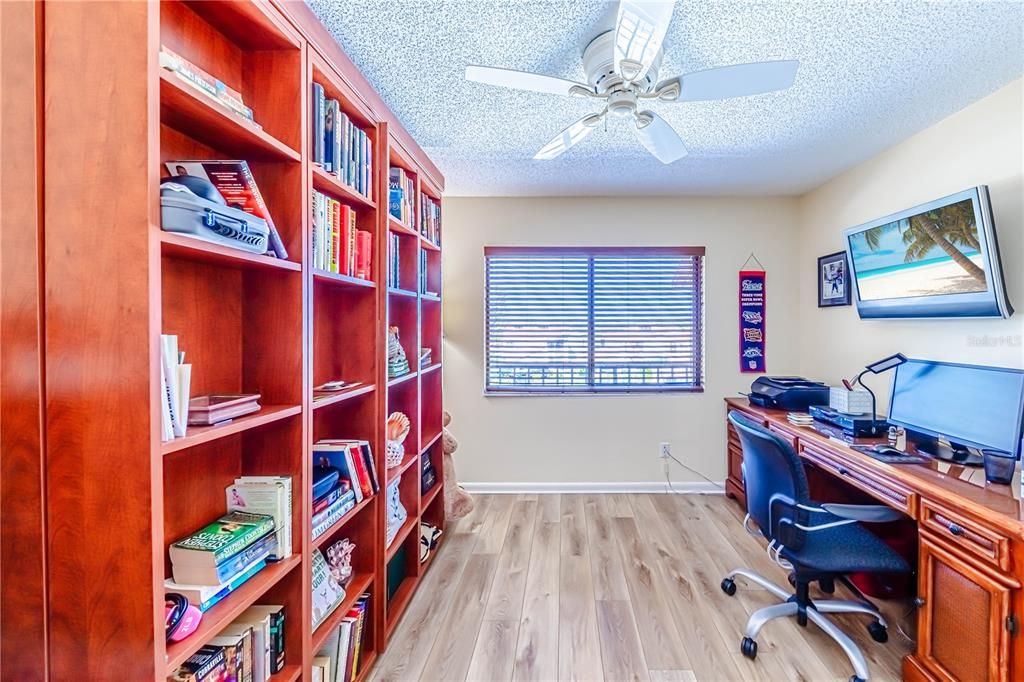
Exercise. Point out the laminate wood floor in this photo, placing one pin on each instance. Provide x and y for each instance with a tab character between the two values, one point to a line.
611	587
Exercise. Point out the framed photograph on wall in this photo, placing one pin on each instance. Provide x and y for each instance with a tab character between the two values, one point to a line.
833	280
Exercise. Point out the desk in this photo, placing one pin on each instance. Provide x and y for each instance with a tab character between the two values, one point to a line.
971	547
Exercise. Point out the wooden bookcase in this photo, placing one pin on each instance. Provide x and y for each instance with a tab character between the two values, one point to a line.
247	323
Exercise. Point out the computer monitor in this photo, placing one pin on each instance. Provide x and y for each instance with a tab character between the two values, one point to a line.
971	406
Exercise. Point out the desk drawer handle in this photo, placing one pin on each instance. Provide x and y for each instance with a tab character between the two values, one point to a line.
956	530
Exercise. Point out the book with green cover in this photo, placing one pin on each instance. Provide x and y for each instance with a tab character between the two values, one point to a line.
222	539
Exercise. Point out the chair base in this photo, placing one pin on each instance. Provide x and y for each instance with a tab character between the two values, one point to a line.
814	611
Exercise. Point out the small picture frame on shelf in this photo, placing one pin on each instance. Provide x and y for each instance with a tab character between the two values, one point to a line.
833	280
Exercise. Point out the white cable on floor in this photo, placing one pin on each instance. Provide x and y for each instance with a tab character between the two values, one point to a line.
668	479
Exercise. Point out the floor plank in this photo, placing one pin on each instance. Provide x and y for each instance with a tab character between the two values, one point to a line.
537	647
495	651
453	648
506	597
605	562
623	657
579	646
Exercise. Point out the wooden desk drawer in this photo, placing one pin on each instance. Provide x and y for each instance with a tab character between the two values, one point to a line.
785	434
887	492
975	539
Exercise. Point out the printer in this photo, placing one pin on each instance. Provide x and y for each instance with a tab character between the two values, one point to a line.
787	393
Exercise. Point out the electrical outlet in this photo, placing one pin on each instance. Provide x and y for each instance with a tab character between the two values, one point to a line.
666	450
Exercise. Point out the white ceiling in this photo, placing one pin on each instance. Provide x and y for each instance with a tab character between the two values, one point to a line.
871	74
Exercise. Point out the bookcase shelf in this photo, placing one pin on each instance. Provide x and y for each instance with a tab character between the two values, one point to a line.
396	225
329	184
247	323
336	279
182	246
430	441
430	298
409	459
359	584
341	396
202	118
221	614
401	535
402	379
197	435
430	496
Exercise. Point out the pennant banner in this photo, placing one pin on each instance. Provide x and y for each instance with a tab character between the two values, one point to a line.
752	321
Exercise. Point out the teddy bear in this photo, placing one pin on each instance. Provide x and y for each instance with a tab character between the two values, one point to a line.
457	502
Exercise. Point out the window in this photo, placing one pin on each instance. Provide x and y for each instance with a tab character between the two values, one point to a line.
588	320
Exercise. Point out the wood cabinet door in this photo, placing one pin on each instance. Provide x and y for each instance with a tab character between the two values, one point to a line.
963	632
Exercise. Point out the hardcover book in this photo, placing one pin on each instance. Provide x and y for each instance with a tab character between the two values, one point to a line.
205	596
271	495
221	540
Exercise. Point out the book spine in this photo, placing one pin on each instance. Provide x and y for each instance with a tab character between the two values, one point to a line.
169	358
276	245
277	639
340	508
337	246
318	124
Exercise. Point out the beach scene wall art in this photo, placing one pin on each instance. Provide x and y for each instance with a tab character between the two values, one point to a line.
932	253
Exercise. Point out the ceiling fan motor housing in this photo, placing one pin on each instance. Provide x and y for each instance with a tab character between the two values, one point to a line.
599	65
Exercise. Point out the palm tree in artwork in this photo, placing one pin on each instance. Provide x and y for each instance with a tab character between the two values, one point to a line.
948	227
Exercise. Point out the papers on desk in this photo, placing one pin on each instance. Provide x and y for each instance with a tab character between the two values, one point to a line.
800	418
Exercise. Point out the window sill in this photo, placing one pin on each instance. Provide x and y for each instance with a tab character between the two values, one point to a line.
589	393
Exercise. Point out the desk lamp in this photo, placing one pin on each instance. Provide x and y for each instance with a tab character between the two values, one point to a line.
883	365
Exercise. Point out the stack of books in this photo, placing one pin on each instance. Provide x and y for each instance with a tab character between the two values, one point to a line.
395	267
175	384
340	146
401	195
430	220
334	503
251	648
215	89
338	660
337	245
215	560
270	495
357	476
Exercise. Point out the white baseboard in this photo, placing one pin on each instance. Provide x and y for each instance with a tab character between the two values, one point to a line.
695	487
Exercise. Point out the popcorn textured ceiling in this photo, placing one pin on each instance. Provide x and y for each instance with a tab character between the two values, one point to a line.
871	74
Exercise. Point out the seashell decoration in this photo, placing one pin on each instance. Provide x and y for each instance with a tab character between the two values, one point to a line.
396	433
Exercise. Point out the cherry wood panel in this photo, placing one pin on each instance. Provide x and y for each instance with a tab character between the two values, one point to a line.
105	560
23	653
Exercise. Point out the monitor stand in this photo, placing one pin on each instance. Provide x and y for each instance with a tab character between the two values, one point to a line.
941	448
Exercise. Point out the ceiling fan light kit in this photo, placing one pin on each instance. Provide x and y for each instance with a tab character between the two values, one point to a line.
622	66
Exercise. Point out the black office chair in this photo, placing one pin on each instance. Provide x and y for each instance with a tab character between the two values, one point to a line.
818	542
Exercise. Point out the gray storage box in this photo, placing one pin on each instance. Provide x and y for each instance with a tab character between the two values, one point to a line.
186	213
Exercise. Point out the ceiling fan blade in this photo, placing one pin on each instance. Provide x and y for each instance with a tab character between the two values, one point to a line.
569	137
523	80
659	137
639	32
738	80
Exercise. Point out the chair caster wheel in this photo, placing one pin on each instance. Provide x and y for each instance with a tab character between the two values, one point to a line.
748	648
729	586
878	632
857	679
791	578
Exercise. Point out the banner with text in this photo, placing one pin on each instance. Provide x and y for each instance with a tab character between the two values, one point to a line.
752	321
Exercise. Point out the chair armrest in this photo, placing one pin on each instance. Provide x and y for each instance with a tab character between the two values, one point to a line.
871	513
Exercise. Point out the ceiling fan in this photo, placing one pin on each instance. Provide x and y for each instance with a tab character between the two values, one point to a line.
622	72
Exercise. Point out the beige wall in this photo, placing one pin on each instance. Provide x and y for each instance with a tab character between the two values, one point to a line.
611	439
980	145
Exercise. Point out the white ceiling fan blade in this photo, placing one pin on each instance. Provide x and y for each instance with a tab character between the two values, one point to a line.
639	32
738	80
659	137
523	80
569	137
